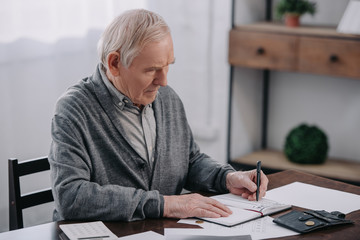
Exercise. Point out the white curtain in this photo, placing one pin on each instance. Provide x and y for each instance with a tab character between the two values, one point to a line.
32	27
45	46
50	20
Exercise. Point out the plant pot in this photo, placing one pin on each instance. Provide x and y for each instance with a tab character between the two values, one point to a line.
292	20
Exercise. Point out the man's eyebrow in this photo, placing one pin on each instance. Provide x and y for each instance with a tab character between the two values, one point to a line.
158	67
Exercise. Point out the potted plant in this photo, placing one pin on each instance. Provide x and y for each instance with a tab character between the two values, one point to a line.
306	144
293	9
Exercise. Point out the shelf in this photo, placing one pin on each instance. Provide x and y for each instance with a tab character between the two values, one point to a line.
307	49
332	168
304	30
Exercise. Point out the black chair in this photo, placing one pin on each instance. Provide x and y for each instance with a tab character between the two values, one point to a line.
18	202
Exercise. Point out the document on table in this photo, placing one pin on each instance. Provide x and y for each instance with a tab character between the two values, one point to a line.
202	234
89	230
261	228
144	235
316	198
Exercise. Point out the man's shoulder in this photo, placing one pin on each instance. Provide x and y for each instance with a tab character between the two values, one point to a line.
75	96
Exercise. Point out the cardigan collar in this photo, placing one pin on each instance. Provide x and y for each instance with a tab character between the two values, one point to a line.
104	97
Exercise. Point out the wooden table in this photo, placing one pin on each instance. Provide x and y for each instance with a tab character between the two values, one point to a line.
51	231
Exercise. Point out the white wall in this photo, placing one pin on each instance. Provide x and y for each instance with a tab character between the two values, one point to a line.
30	86
247	89
331	103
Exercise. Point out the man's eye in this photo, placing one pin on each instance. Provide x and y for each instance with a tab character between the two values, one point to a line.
151	70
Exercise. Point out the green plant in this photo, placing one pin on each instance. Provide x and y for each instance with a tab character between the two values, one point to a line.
295	7
306	144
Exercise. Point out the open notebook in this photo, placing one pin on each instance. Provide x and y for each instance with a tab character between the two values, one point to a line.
245	210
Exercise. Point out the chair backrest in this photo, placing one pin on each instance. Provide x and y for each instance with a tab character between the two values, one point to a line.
18	202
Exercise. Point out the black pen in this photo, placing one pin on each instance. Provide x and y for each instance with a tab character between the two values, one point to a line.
95	237
258	175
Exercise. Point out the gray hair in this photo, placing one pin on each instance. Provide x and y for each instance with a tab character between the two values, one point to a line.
129	33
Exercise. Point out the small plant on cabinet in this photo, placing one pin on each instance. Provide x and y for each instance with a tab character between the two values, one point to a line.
292	10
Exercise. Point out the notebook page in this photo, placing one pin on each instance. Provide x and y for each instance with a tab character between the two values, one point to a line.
265	206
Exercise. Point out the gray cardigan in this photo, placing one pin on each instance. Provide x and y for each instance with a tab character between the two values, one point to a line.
95	172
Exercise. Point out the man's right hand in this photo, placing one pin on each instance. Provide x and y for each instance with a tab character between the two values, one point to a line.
193	205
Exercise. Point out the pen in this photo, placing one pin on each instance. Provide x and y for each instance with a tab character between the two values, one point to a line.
258	174
95	237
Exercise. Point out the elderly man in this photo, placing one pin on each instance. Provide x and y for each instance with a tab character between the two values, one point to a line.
122	148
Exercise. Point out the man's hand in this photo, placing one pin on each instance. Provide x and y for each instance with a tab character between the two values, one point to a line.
244	184
193	205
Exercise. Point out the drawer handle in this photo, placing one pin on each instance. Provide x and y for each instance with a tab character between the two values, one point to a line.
260	51
333	58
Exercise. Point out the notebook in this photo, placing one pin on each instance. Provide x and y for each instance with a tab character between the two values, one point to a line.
245	210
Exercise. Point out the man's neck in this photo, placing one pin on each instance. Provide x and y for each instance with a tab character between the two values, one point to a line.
110	77
140	106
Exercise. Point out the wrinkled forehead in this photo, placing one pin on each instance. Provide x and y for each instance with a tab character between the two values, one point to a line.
156	53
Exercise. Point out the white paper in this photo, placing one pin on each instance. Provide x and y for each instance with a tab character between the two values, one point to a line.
262	228
350	22
87	231
238	216
315	198
149	235
203	234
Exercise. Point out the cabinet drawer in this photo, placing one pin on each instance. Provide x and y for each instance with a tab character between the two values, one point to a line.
329	56
263	50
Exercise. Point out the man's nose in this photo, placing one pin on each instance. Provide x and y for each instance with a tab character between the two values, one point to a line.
161	78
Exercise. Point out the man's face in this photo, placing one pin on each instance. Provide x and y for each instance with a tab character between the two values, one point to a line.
147	73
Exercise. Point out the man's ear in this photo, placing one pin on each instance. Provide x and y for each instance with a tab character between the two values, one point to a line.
113	61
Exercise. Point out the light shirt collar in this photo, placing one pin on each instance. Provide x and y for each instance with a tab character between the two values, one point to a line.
119	99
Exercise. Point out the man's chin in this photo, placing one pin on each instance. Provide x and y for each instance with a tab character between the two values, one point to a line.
148	100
